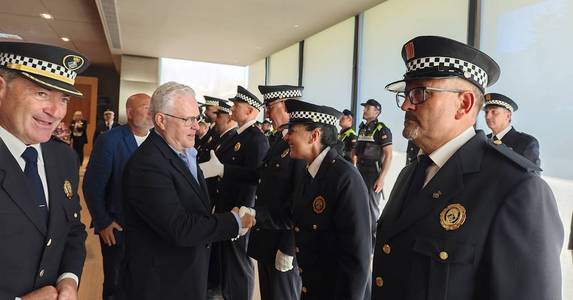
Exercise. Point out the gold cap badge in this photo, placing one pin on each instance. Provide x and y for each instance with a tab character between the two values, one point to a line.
319	204
453	216
68	189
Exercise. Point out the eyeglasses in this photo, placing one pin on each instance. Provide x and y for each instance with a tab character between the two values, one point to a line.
187	122
421	94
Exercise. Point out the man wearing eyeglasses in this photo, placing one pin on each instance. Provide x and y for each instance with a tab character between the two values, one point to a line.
469	219
169	225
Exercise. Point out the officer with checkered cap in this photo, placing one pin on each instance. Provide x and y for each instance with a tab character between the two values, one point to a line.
245	150
273	96
330	227
209	138
498	112
466	210
44	255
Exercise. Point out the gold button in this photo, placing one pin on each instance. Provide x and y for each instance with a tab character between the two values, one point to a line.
315	227
296	229
444	255
379	281
304	289
386	249
76	215
41	272
49	242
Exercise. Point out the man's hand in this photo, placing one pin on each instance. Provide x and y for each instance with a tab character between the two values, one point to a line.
67	289
378	184
247	216
213	167
46	293
283	262
107	234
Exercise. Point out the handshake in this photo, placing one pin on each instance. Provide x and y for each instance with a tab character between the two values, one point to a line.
247	216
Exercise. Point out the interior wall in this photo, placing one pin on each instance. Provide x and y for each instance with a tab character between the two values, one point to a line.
138	75
283	67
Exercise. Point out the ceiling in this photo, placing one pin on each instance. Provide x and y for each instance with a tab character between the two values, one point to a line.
220	31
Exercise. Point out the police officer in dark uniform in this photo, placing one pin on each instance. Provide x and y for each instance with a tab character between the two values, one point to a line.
331	231
211	109
347	135
469	219
272	242
247	150
372	156
42	239
498	112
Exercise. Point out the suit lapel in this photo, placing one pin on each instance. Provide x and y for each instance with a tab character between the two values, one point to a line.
392	210
55	187
129	140
14	184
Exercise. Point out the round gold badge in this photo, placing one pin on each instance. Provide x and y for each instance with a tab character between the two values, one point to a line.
285	153
453	216
68	189
319	204
237	146
497	142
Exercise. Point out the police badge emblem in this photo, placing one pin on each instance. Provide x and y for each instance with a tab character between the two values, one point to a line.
68	189
453	216
73	62
319	204
237	146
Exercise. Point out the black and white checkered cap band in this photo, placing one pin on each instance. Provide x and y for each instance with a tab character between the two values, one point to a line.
500	103
469	69
316	117
249	100
282	94
212	102
224	109
37	64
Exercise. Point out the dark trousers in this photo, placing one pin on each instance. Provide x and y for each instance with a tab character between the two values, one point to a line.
277	285
79	149
113	265
237	270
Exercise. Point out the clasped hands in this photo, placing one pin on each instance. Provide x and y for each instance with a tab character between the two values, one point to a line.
247	216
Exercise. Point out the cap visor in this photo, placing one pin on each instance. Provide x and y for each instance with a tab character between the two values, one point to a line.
52	84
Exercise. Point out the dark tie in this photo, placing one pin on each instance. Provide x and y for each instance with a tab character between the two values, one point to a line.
418	178
30	155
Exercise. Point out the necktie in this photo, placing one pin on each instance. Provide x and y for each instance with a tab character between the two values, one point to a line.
30	155
190	162
418	178
494	138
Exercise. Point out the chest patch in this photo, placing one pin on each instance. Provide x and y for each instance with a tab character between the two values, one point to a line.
453	216
319	204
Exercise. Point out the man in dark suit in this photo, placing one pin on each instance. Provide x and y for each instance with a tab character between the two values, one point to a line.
106	124
331	222
246	150
42	239
102	186
469	219
169	226
498	112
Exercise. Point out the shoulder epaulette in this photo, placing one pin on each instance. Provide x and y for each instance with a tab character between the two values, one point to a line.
516	158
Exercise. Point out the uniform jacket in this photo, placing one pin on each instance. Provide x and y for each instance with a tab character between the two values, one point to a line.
204	144
506	231
348	138
33	255
276	178
523	144
214	183
169	226
246	150
102	184
102	128
332	232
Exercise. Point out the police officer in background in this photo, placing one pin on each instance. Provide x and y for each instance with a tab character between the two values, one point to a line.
347	135
329	206
469	219
498	112
372	156
246	150
211	108
42	239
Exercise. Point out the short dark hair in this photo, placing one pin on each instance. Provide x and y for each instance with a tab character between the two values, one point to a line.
7	74
329	134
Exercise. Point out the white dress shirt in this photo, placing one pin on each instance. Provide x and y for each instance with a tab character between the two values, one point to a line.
315	165
502	133
245	126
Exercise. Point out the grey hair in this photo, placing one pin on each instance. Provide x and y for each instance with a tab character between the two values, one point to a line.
8	74
163	97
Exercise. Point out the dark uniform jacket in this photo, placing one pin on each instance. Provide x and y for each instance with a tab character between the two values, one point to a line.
523	144
332	231
276	180
214	183
372	137
102	184
204	144
169	225
102	128
348	138
246	150
34	254
503	239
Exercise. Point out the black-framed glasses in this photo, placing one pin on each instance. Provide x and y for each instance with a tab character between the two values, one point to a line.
421	94
187	122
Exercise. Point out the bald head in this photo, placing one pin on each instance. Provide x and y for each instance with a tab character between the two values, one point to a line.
138	117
